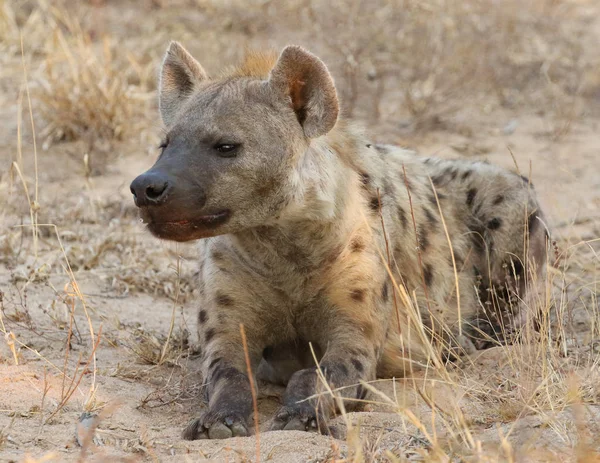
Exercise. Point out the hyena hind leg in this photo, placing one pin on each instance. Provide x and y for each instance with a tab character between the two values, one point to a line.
510	298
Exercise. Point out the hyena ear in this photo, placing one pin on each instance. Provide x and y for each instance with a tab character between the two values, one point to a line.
179	76
305	79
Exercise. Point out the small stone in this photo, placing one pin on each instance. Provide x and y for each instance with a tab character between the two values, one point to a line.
510	128
87	423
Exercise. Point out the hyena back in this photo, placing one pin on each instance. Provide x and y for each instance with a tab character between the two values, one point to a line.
311	234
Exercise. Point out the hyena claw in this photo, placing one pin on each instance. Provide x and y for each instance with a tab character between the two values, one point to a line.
292	419
194	430
202	428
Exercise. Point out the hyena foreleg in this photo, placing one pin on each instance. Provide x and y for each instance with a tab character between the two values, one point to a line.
307	404
228	393
224	370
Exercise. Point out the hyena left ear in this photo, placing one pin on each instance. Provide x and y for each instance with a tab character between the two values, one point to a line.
305	79
179	76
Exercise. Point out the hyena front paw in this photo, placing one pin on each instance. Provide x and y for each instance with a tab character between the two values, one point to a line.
300	418
213	425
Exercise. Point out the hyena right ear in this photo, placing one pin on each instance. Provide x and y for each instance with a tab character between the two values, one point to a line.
179	76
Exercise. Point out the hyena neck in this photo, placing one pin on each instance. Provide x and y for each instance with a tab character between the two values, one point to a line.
322	214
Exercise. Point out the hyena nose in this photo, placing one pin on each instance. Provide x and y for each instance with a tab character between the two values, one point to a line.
149	189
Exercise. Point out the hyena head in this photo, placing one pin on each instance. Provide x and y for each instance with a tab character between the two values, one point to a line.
230	158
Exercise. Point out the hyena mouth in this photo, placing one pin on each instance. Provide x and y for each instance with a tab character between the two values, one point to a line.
187	229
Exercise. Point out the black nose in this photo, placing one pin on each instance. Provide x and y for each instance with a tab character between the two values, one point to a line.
149	189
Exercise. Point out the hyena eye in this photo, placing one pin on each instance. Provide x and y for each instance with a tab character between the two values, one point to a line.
226	150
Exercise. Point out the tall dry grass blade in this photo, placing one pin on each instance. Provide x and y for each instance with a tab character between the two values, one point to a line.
35	205
458	308
252	390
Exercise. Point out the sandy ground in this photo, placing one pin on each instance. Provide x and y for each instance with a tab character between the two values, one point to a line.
135	288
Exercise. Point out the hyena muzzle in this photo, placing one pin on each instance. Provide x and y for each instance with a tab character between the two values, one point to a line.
337	255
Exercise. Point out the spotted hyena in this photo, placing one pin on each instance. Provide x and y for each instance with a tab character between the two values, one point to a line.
312	235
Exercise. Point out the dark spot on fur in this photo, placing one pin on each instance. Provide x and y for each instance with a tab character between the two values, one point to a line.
335	373
375	204
223	372
428	274
427	160
214	363
217	374
210	333
202	316
361	392
384	292
224	300
423	239
471	196
357	245
343	369
477	209
368	145
516	268
498	200
364	178
466	174
217	255
334	254
402	216
494	224
451	172
430	217
438	180
358	365
358	295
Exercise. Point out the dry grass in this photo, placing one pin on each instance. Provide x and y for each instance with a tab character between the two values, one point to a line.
549	374
404	65
84	94
417	62
86	87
